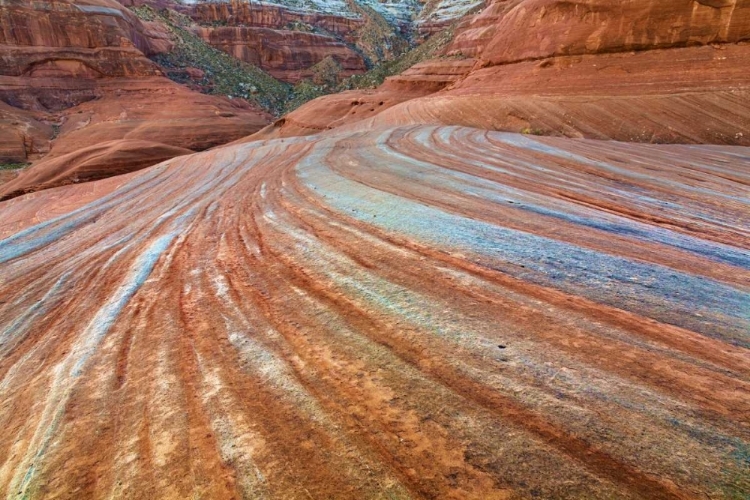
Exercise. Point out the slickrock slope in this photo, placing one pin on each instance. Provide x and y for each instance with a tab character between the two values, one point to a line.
419	312
690	95
100	161
168	116
156	110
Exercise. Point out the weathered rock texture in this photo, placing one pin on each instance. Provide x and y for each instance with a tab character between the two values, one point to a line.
75	74
105	159
418	312
286	55
48	42
166	115
273	16
633	71
281	40
564	28
22	135
693	95
429	76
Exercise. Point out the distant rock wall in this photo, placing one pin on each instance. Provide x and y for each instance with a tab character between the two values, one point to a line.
286	55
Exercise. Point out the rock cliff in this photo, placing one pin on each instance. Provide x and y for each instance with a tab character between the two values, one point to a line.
633	71
287	55
76	74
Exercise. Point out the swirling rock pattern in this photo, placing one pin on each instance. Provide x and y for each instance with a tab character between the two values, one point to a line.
419	312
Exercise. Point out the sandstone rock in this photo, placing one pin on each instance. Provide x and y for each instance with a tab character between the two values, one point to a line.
105	159
286	55
22	136
195	73
261	15
334	111
157	110
429	76
474	33
81	65
48	45
321	317
693	95
560	27
674	88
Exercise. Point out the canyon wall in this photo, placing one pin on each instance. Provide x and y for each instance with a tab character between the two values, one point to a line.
76	74
286	55
633	71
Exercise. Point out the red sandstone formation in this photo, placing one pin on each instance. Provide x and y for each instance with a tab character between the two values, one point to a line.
22	135
48	42
233	24
239	13
429	76
170	118
157	110
378	311
473	33
286	55
77	72
697	95
334	111
633	71
420	312
105	159
345	108
563	28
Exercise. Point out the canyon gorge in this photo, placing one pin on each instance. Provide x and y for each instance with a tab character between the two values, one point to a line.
442	249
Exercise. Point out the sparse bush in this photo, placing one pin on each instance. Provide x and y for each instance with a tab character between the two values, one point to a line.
13	165
532	131
326	73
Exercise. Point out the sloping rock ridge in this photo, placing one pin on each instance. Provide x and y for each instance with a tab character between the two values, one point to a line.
631	71
76	74
415	312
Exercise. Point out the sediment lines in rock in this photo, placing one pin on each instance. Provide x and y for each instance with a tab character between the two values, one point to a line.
426	312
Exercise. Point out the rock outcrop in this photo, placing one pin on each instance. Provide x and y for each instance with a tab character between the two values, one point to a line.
166	115
333	111
274	16
632	71
420	312
23	137
690	95
45	43
347	108
105	159
563	28
385	308
286	55
75	74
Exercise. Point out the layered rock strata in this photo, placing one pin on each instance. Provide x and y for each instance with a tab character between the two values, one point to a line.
286	55
420	312
76	75
631	71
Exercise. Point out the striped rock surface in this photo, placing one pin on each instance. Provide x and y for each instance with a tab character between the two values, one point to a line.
418	312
